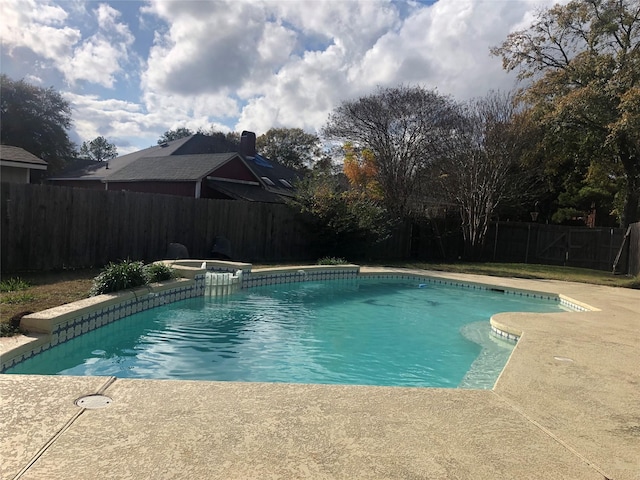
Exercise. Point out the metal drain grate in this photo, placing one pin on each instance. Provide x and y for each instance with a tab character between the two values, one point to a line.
93	402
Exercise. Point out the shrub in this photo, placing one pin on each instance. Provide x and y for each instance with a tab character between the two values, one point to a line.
345	222
119	276
8	330
332	261
13	285
157	272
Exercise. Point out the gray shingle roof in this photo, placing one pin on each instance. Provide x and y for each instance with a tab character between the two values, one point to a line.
265	168
17	154
88	170
171	168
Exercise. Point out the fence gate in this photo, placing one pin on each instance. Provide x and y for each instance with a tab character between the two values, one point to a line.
594	248
578	247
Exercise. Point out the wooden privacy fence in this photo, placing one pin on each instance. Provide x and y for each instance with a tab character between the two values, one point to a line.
46	227
554	245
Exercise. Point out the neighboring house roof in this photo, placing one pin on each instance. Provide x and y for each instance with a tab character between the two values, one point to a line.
171	168
11	156
98	171
193	158
275	177
243	191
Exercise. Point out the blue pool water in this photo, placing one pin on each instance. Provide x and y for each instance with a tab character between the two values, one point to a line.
369	332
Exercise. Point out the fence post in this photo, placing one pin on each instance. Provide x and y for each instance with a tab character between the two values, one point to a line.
526	253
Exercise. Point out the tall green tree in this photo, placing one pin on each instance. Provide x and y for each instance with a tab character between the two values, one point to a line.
98	149
582	64
36	119
404	128
291	147
171	135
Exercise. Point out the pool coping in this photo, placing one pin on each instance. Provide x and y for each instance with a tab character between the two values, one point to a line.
564	407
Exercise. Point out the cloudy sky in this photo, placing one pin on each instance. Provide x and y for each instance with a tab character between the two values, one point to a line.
134	69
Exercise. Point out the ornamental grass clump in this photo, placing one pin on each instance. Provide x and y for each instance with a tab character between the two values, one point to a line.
13	285
158	272
332	261
129	274
119	276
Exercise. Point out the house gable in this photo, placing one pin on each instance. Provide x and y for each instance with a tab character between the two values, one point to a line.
234	169
16	164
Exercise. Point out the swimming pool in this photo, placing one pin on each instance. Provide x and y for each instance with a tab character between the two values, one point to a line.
368	332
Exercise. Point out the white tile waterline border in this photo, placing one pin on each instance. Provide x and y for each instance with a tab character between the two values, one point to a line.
58	325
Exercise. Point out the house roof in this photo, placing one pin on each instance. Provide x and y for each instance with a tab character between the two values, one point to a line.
270	172
171	168
240	191
19	157
189	159
90	170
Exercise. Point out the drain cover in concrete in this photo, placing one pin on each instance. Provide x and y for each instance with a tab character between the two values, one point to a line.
93	402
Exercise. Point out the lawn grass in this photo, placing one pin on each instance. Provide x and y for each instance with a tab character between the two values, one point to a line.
521	270
32	292
39	291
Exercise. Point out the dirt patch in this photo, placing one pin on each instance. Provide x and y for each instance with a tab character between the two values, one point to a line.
47	290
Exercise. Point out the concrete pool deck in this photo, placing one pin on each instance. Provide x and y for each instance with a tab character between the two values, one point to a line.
567	406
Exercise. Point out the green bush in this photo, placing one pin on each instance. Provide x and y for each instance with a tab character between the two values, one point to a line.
119	276
13	285
332	261
157	272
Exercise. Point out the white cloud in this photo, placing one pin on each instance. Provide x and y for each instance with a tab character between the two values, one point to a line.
209	46
95	60
33	79
255	64
38	27
444	46
41	27
101	56
132	126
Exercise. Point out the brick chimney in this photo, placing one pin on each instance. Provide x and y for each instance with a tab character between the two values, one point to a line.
248	144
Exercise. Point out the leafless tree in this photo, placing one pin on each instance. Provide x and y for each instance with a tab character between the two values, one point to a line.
482	166
404	128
